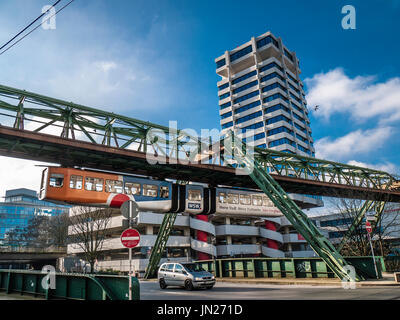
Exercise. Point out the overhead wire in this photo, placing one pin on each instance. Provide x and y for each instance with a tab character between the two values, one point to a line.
19	40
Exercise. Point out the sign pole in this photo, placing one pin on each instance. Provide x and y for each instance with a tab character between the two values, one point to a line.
130	237
369	230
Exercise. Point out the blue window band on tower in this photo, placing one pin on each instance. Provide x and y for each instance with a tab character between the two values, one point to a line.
249	117
277	119
247	96
279	130
252	126
277	107
240	53
246	86
271	76
248	106
273	86
269	66
223	86
280	142
225	95
264	41
275	96
244	77
226	115
220	63
227	125
225	105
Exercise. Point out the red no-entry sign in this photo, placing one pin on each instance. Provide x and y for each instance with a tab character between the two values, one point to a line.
130	238
368	227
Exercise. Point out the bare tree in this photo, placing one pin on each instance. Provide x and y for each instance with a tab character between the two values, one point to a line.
89	228
357	242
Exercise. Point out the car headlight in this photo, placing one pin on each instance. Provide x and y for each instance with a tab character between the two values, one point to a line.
198	279
212	278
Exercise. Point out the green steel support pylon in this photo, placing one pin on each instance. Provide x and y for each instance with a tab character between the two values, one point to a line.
322	246
160	244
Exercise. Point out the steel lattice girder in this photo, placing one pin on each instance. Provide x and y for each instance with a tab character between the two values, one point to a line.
79	122
160	244
322	246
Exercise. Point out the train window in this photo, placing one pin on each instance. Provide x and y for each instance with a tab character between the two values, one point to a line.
222	197
114	186
132	188
194	195
56	180
267	202
75	182
164	192
150	190
245	199
93	184
233	198
257	200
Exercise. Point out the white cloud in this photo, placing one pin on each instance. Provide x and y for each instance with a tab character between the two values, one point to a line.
354	143
361	97
18	173
387	166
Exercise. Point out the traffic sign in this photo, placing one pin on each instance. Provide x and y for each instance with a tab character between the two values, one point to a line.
368	227
125	209
130	238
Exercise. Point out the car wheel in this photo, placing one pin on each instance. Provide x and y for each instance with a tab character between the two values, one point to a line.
162	284
188	285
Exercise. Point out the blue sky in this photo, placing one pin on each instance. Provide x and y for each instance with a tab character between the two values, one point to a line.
154	60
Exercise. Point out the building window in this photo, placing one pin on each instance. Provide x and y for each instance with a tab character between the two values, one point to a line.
281	141
247	96
249	117
225	95
245	199
225	105
264	41
226	115
220	63
246	86
240	53
276	108
227	125
279	130
246	76
277	119
248	106
223	86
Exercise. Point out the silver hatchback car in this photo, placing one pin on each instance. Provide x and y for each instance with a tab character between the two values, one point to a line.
187	275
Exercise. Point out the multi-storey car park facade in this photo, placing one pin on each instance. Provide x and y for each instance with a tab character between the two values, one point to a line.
260	90
192	238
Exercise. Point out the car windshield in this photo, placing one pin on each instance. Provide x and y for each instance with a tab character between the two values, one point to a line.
192	267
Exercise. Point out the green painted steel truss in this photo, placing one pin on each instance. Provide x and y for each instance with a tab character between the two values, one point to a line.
160	245
38	113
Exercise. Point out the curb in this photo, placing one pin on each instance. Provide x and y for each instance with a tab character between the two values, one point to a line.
336	283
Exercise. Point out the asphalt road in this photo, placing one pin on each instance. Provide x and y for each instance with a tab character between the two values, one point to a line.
149	290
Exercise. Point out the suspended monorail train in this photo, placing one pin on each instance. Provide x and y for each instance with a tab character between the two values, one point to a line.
103	189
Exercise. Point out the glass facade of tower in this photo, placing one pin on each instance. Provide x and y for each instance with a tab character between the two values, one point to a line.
261	94
20	206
